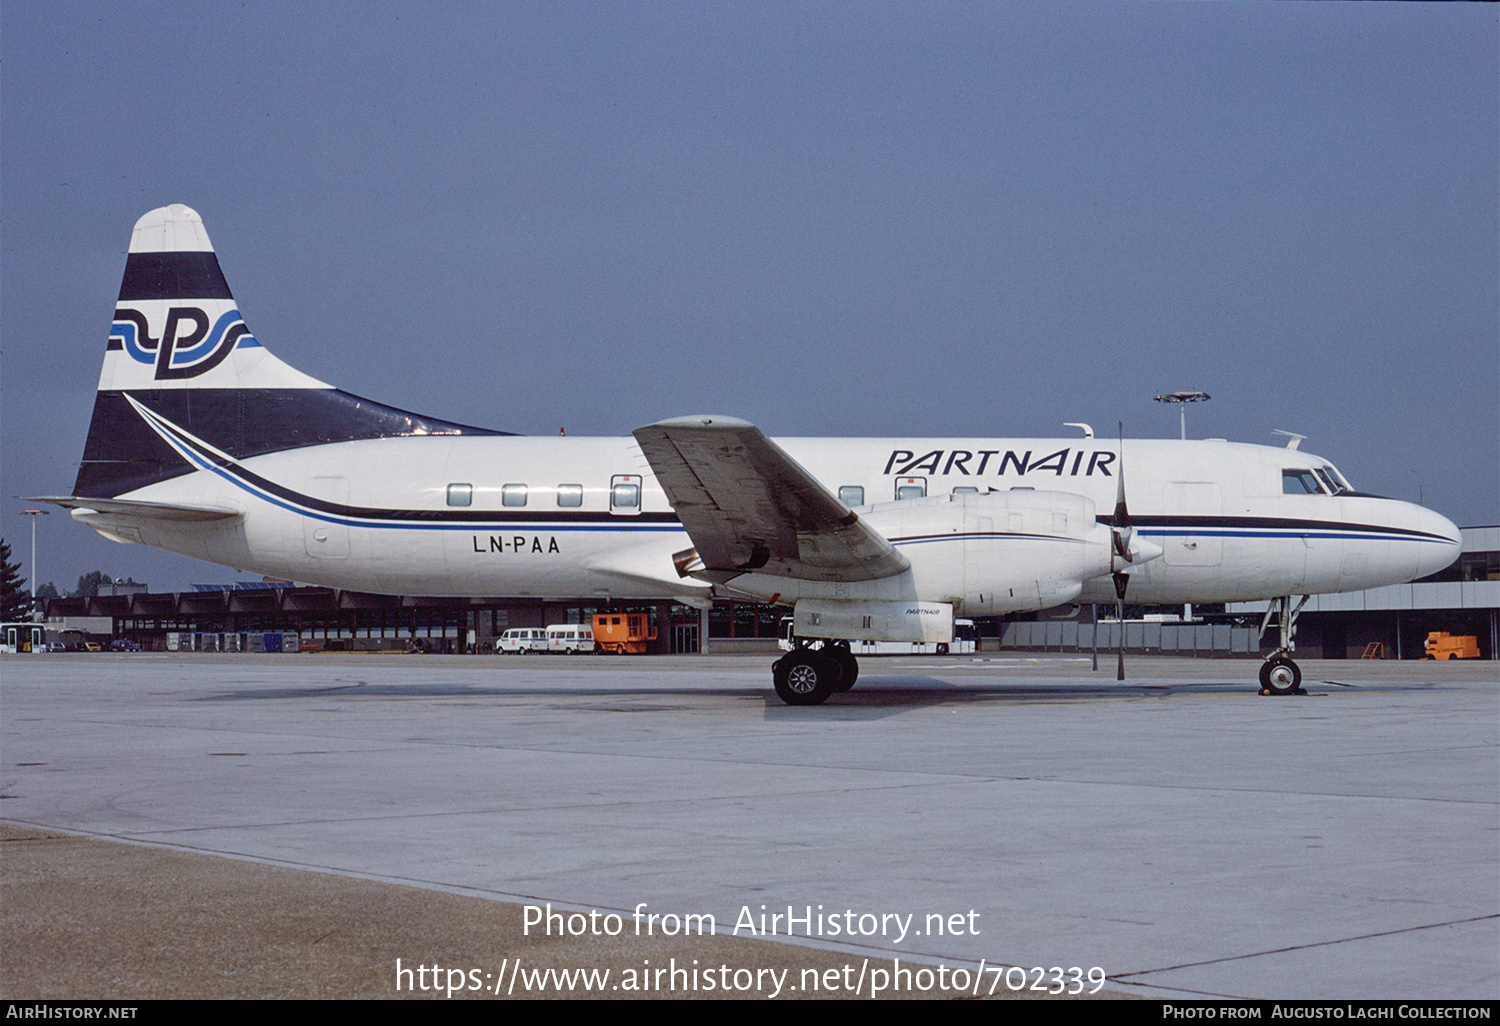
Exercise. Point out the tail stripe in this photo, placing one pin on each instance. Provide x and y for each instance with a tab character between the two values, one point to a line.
173	276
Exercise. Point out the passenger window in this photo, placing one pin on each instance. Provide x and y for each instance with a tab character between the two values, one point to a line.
852	495
513	495
966	490
570	495
460	495
1299	482
911	487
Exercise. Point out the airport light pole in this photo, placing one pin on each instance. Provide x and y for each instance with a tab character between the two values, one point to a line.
33	514
1181	398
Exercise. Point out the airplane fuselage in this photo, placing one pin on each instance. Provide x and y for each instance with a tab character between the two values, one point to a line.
381	515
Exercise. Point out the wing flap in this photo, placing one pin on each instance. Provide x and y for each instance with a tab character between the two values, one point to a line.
748	506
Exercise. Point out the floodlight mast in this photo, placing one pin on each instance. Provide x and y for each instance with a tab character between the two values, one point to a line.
33	514
1181	398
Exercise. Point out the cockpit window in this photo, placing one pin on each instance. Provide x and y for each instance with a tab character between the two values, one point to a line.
1338	479
1299	482
1328	482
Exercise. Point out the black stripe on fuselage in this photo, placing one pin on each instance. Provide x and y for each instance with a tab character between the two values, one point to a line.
1189	523
975	535
173	276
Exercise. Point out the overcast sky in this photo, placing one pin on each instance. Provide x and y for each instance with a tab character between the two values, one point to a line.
830	219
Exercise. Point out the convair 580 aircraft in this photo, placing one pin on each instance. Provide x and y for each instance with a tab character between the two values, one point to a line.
204	443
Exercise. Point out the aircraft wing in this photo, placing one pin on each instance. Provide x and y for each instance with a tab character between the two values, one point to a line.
748	506
135	508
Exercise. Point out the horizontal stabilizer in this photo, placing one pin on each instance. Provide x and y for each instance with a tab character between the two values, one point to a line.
749	507
180	512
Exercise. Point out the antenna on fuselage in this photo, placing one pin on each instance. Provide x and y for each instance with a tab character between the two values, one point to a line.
1292	438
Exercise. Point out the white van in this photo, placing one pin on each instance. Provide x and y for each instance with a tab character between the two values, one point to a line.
570	638
522	641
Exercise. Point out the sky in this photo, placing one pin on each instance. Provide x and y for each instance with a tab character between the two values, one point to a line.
946	219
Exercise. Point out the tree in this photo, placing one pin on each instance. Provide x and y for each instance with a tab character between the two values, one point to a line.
15	603
48	591
88	584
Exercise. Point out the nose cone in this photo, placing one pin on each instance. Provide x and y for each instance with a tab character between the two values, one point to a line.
1444	547
1143	550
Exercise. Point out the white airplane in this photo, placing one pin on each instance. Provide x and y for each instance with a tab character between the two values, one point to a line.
204	443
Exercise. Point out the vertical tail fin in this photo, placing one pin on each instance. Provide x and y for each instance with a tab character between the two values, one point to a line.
176	325
179	347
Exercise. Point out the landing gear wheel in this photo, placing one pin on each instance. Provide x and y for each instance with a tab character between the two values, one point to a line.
805	677
848	668
1280	676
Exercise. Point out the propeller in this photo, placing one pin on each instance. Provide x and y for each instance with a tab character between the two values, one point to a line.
1123	533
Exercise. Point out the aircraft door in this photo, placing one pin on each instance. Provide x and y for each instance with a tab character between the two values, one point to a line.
980	553
625	495
323	536
1198	543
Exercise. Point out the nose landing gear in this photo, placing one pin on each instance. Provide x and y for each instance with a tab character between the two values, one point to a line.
1279	674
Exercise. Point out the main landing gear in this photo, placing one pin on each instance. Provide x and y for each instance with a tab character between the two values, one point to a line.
1279	674
811	672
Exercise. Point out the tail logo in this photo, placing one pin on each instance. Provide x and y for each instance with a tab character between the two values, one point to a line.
188	346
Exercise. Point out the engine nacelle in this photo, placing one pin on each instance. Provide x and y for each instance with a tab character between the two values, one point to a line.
912	620
997	552
980	554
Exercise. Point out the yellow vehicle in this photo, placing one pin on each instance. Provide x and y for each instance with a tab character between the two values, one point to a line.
1442	645
622	633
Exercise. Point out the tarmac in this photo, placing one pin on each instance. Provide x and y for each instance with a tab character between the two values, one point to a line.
290	826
